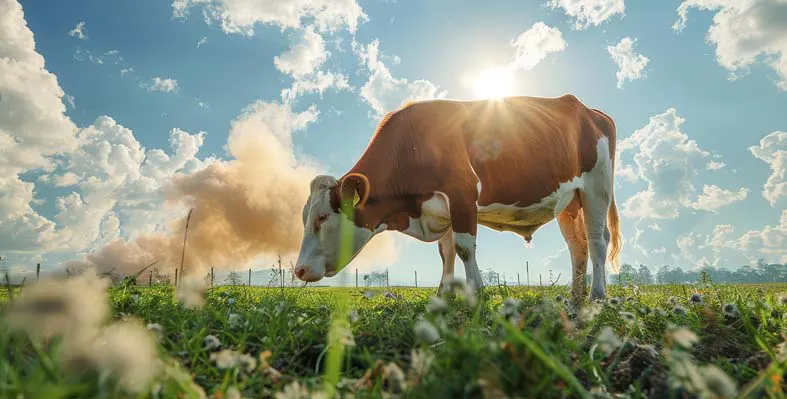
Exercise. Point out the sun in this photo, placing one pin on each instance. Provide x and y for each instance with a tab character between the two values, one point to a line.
493	83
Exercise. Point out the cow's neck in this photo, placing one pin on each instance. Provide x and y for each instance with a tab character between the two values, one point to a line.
391	201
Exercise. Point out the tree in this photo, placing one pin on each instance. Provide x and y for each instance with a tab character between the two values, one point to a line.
233	278
644	276
489	277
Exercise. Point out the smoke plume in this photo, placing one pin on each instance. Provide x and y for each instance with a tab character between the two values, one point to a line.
245	208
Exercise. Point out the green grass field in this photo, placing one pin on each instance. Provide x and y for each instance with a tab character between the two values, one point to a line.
651	341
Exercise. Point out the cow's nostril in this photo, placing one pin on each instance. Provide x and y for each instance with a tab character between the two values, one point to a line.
300	272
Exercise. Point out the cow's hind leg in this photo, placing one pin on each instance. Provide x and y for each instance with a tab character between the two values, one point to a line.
572	226
596	201
448	255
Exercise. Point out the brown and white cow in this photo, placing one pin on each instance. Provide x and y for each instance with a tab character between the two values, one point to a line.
435	170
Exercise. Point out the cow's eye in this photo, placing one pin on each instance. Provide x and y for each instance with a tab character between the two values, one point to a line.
320	219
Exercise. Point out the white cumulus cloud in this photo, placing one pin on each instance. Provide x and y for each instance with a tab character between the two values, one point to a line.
773	151
240	16
534	44
79	31
631	65
671	164
166	85
589	12
745	32
384	92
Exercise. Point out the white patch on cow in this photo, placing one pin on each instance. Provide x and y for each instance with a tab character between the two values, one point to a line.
526	220
465	244
435	219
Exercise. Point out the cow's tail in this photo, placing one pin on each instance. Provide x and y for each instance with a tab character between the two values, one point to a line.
613	218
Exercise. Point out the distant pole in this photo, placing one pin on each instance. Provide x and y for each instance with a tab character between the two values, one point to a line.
517	280
38	271
539	279
176	277
387	281
212	276
356	277
150	278
527	265
249	277
281	274
185	233
416	278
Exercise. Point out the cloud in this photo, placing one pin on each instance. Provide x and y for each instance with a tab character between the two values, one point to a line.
769	243
382	91
745	32
589	12
244	208
318	82
166	85
240	16
202	41
670	163
714	197
33	129
534	44
630	64
303	57
773	151
79	31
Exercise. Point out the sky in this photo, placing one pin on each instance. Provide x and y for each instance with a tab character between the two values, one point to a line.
116	118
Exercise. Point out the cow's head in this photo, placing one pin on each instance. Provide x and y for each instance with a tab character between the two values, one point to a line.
326	215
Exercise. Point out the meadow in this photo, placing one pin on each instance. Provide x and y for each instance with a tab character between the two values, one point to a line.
88	339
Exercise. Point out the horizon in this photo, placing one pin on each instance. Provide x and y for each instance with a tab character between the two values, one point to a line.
188	99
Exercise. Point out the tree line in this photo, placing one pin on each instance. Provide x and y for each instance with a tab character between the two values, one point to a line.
761	272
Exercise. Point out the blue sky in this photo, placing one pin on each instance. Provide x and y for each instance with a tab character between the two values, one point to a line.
690	188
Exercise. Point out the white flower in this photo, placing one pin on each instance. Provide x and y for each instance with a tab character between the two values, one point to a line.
234	319
231	300
426	331
718	383
509	307
628	317
683	336
233	393
190	291
228	358
436	305
608	341
210	342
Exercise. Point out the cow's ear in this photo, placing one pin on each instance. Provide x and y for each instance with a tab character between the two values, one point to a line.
355	188
322	182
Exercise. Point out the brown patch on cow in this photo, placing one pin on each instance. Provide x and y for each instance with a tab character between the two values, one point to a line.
520	148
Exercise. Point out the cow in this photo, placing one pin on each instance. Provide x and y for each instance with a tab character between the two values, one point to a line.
436	169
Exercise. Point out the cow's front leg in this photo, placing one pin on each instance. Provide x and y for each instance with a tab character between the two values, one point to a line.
448	255
464	226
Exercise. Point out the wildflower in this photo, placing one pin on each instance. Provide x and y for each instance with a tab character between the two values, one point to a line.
426	331
345	336
559	298
369	294
782	298
644	310
673	300
125	349
234	319
390	295
629	299
614	301
394	378
267	369
661	312
190	291
135	297
294	390
683	336
781	352
730	309
231	300
695	299
465	289
228	358
353	316
233	393
717	382
436	305
509	307
608	341
420	361
679	310
210	342
73	306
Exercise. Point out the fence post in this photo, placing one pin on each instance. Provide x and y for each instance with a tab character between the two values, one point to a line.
356	277
527	265
518	283
176	277
416	278
38	271
249	277
539	279
212	277
150	278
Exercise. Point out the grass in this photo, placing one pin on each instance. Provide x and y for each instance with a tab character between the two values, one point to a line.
348	342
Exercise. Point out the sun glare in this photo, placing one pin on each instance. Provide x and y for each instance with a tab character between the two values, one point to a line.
494	83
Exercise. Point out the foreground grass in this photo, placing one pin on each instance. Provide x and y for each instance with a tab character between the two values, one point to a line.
507	342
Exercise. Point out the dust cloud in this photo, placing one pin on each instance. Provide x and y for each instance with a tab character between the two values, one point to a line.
244	209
